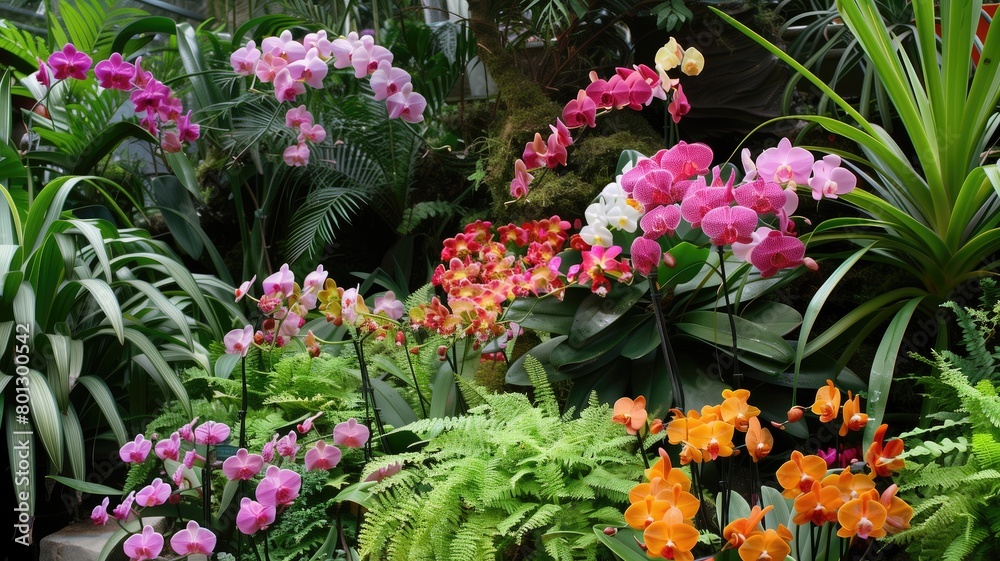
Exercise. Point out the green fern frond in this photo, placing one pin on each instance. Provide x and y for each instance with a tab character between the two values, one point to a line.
544	396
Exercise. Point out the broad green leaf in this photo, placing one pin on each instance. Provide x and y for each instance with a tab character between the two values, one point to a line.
782	506
443	393
178	212
6	110
46	418
394	409
547	313
225	364
151	24
158	300
105	143
62	351
228	492
690	260
73	434
883	367
738	507
623	543
387	365
105	400
597	313
105	298
780	318
516	373
644	340
357	493
714	327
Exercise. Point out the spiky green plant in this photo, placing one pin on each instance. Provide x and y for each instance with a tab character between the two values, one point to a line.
510	479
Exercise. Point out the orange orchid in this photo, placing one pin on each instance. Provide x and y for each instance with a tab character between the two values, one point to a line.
850	485
714	439
683	501
854	419
671	537
862	517
658	488
631	413
709	413
737	532
681	425
736	411
690	453
818	506
898	512
668	473
641	514
759	440
768	546
797	474
883	459
827	403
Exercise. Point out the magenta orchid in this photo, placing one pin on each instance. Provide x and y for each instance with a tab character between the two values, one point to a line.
239	341
156	493
186	431
147	545
253	516
69	63
351	433
242	466
100	513
192	540
280	487
169	448
135	452
115	73
322	457
307	425
287	447
211	433
124	508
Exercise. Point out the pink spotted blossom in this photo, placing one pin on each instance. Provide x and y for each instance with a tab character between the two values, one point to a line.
729	224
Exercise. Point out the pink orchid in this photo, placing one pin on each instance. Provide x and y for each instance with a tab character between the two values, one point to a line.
211	433
150	124
678	106
764	197
286	88
366	56
147	545
385	471
596	262
169	109
282	282
124	508
387	305
186	431
342	47
580	111
700	199
189	458
286	446
284	46
388	80
776	252
829	179
314	281
44	74
244	60
653	79
239	341
267	452
149	97
291	323
645	255
169	448
135	452
729	224
244	288
100	513
307	425
639	91
142	77
69	63
171	142
279	487
242	466
268	67
829	456
535	153
406	104
178	476
608	94
555	152
785	164
650	184
193	540
254	516
311	69
685	160
349	305
296	155
522	179
114	73
322	457
662	220
320	42
156	493
187	130
749	167
351	433
314	133
298	116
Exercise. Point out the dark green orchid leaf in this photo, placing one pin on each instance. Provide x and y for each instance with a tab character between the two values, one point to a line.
752	337
596	313
690	260
516	373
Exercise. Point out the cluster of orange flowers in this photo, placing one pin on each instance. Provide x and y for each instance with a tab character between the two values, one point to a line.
663	507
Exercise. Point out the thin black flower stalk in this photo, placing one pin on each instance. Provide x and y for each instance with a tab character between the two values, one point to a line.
668	352
413	373
726	470
368	392
206	487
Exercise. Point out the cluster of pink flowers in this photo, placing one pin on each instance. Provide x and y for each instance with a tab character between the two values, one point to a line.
284	305
632	88
162	113
347	306
485	269
277	489
291	65
657	193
